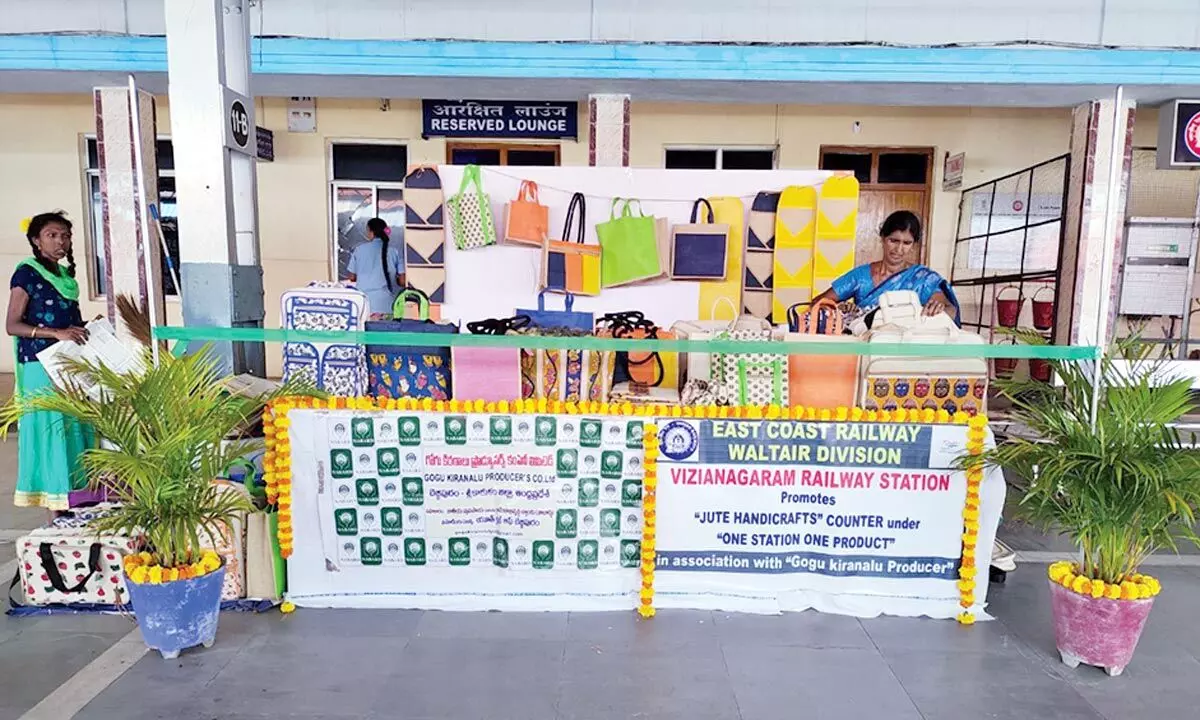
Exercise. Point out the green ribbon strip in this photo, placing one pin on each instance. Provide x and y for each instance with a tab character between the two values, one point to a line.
551	342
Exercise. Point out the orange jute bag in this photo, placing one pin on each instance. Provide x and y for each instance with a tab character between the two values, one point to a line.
527	221
820	381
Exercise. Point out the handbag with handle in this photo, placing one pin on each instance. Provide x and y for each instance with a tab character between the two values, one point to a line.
567	374
567	318
650	368
698	365
410	370
820	381
526	220
629	246
572	267
647	368
699	249
489	373
73	566
752	378
471	209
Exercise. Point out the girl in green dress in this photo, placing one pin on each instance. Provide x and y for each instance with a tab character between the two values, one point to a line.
43	308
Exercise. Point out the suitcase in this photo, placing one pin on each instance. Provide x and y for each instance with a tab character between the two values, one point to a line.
337	368
73	566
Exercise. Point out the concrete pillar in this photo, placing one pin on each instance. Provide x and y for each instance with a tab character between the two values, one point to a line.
1095	217
608	130
127	234
208	51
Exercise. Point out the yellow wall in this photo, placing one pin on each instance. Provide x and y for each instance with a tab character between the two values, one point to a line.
42	165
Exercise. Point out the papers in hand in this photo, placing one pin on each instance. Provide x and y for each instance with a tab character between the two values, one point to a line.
102	348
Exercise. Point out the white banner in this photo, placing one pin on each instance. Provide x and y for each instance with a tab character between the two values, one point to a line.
774	515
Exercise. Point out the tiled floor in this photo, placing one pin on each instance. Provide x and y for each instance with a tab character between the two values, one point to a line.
694	665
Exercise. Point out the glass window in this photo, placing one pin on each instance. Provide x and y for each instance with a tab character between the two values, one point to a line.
858	163
691	159
903	168
474	156
532	158
356	203
353	206
747	159
370	161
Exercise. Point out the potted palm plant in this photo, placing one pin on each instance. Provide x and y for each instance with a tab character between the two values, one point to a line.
163	428
1104	464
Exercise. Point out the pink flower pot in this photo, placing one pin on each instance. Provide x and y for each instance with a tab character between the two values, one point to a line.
1097	631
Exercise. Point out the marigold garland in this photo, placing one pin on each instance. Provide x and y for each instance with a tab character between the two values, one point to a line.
277	460
277	411
1133	587
968	570
142	569
649	518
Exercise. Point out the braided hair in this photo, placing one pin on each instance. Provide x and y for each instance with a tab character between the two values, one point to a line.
38	223
380	229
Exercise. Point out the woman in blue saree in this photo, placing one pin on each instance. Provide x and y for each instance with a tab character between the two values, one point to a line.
865	284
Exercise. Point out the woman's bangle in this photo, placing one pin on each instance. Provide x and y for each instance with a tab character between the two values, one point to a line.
33	334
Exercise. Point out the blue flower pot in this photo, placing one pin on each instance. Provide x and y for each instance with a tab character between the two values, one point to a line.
178	615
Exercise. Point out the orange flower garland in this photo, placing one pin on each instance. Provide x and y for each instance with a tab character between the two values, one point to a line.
142	569
649	518
277	461
1133	587
968	570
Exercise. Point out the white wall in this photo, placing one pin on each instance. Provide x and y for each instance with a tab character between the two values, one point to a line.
1135	23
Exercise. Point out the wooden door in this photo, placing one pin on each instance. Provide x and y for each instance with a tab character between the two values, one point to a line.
873	208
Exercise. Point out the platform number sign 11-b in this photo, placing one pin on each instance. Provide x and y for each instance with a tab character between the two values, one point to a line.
239	125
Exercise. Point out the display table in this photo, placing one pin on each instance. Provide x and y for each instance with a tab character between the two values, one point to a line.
558	511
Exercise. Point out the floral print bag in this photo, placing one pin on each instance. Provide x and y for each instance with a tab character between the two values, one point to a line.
413	371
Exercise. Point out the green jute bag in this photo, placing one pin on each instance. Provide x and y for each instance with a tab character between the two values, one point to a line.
629	246
471	209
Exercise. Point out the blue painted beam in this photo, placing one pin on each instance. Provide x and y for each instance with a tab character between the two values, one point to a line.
615	61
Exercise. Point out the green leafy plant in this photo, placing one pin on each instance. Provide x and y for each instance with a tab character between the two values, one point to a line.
165	430
1121	488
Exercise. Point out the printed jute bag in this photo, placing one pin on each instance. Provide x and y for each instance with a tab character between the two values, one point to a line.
230	544
650	368
471	209
410	370
630	246
569	374
699	249
752	378
698	365
489	373
526	220
572	267
73	566
820	381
